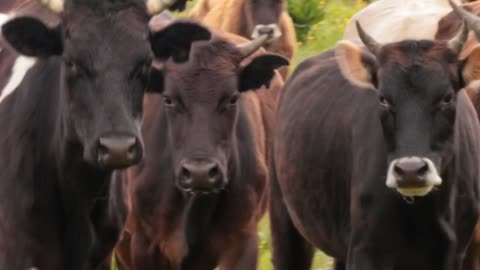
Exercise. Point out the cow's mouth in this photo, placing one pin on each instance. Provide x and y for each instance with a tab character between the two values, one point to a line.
415	191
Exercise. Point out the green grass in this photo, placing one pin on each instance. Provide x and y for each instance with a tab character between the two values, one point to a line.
324	35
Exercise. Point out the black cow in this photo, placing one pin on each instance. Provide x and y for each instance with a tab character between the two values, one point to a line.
73	118
379	178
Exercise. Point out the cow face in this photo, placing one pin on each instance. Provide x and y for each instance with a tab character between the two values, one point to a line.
104	54
417	84
202	85
263	17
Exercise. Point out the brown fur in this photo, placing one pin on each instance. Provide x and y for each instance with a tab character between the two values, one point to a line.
229	16
154	235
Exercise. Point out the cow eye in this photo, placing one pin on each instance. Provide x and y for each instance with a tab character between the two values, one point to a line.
447	98
168	101
233	100
385	102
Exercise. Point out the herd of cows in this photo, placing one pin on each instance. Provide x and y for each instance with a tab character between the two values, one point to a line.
161	142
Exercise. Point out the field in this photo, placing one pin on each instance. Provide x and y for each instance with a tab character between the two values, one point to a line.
324	35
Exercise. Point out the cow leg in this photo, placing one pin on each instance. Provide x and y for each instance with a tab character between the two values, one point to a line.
290	250
242	255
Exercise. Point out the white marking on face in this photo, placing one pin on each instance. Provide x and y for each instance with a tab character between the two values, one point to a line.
431	178
20	68
257	31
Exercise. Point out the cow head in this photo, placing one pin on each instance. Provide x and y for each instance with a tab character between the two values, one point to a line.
263	16
202	83
417	84
105	55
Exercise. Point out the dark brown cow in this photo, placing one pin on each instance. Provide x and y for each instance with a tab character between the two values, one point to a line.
71	116
195	202
379	178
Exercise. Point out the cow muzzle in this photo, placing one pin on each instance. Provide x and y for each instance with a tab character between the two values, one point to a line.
413	176
201	176
116	152
271	30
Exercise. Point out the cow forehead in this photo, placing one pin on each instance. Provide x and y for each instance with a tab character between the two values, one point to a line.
201	85
106	38
427	80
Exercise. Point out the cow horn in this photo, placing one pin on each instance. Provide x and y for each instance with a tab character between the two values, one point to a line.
473	22
157	6
372	45
457	42
250	47
54	5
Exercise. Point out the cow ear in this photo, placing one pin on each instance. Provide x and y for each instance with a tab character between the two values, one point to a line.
357	65
156	78
30	37
260	71
471	66
176	40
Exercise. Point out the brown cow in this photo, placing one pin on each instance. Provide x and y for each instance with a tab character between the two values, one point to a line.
197	198
249	18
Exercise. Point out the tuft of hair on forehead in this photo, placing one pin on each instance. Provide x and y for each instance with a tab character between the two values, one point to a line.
216	53
102	6
417	52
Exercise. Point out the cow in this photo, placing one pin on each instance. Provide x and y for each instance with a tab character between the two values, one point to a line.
376	157
250	19
71	116
196	199
392	20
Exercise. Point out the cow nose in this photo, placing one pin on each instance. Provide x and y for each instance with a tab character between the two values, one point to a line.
118	152
266	30
203	176
411	171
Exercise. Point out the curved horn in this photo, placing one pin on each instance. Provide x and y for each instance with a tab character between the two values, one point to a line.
54	5
372	45
157	6
250	47
472	20
457	42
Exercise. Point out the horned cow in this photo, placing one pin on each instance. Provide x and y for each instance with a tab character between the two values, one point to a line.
195	202
250	19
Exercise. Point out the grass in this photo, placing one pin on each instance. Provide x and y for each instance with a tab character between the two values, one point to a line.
324	35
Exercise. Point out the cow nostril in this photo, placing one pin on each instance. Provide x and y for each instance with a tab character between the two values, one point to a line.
214	172
423	170
185	173
398	170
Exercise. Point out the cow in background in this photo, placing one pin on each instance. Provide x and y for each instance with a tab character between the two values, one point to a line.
196	200
395	20
250	19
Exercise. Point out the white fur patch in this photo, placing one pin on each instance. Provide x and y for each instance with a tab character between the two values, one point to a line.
396	20
276	33
20	68
432	178
3	19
